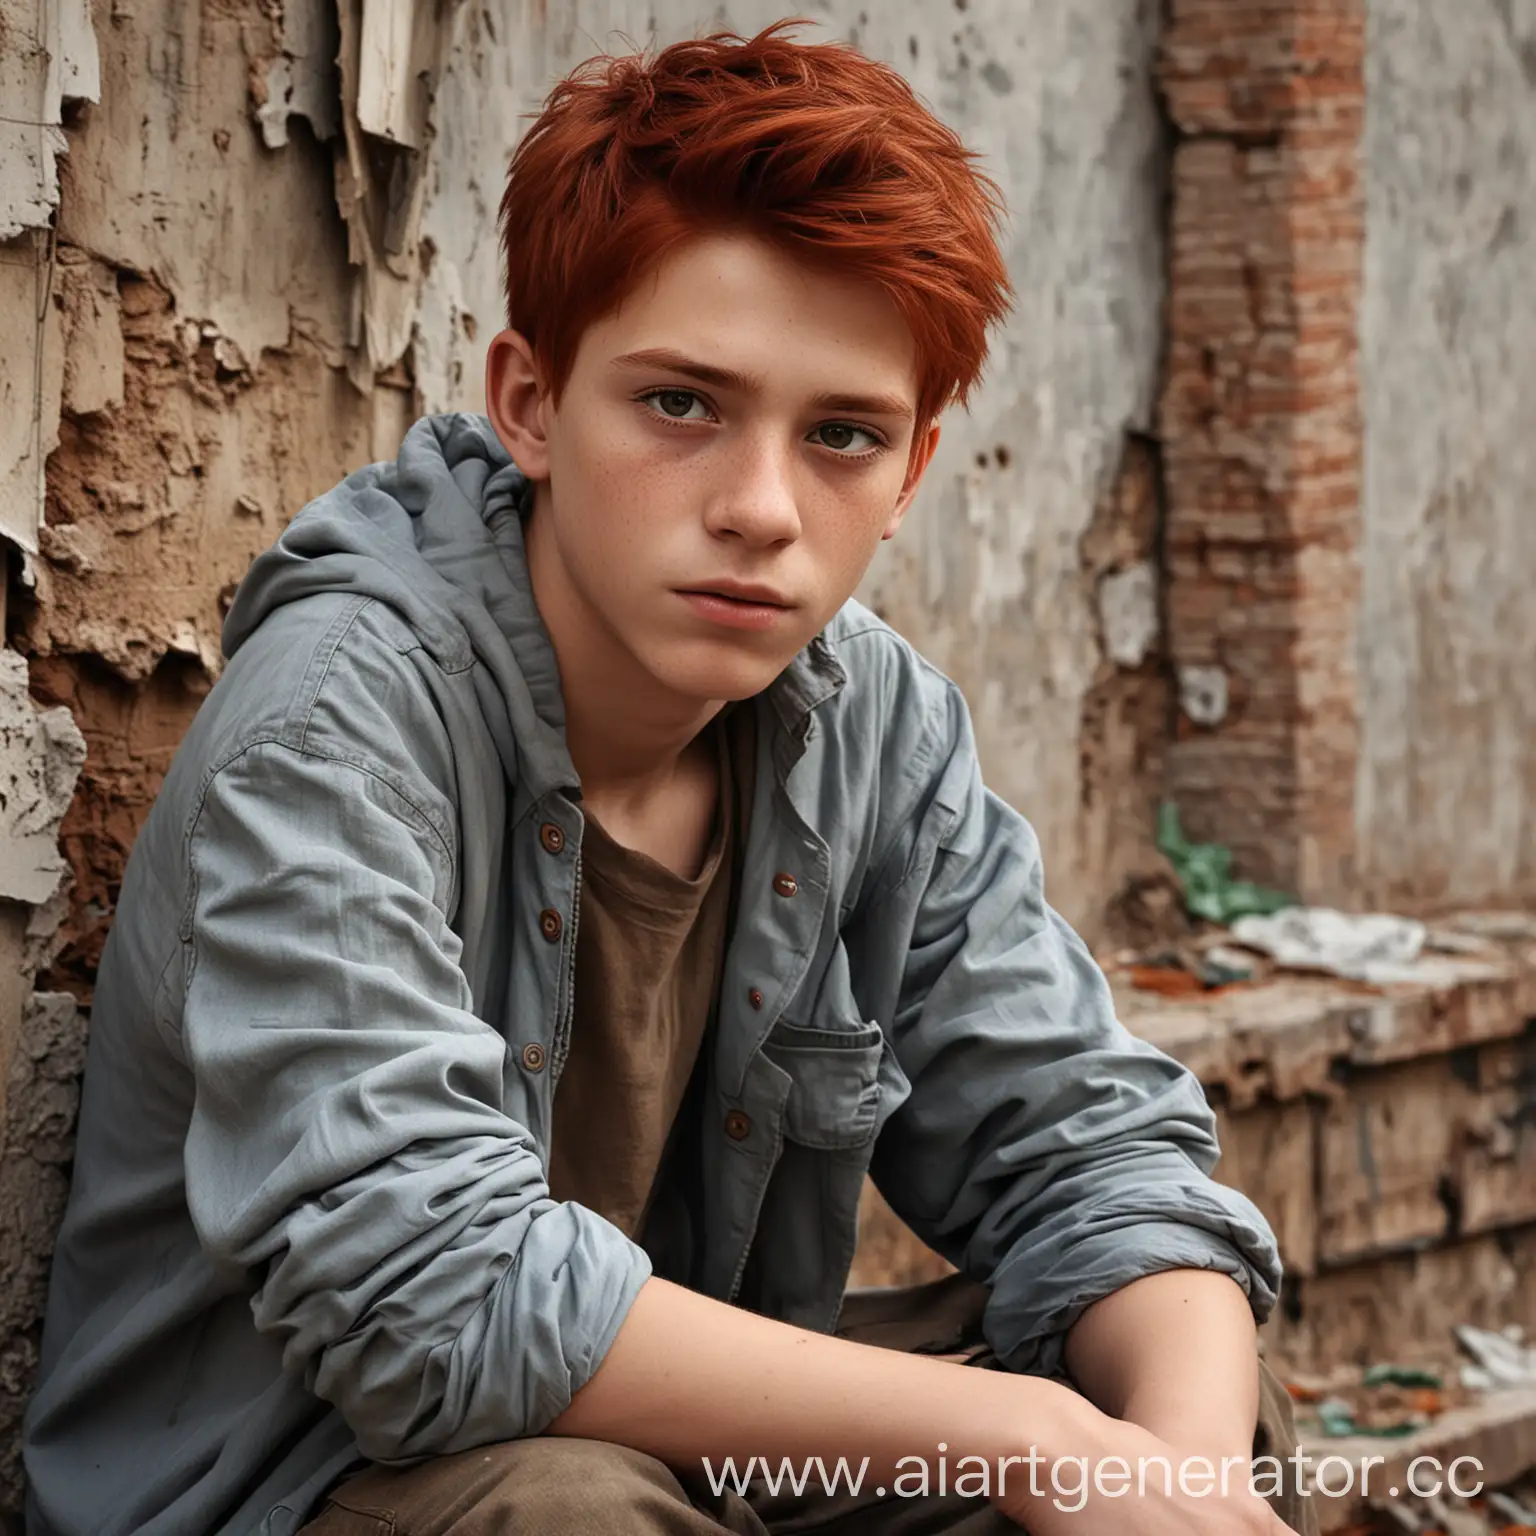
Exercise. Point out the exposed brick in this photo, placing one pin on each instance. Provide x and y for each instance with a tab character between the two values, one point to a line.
1259	420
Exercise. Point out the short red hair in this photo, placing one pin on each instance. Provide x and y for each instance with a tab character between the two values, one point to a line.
825	153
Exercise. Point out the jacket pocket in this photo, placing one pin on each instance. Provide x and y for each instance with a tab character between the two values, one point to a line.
834	1087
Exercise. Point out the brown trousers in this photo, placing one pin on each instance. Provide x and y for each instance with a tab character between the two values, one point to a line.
556	1486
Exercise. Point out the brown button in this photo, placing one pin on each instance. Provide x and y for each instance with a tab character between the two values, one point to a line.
755	998
784	884
550	924
737	1126
533	1057
552	837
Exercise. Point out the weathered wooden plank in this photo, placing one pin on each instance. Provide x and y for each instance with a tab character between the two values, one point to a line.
1270	1154
1404	1306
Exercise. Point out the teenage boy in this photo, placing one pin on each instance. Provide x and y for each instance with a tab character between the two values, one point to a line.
568	894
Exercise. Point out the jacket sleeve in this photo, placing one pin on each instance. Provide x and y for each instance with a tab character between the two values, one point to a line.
1043	1148
349	1141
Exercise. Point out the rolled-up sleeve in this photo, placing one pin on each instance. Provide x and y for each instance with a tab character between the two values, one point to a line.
349	1139
1043	1148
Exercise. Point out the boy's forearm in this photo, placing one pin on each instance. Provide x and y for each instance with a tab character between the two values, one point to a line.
689	1377
1177	1354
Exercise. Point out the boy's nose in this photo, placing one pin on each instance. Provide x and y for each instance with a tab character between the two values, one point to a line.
757	502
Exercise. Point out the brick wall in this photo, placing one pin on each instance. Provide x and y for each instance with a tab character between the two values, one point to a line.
1259	419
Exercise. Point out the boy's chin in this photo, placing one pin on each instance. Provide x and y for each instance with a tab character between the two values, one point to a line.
715	677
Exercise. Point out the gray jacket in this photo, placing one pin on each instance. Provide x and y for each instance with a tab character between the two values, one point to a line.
309	1220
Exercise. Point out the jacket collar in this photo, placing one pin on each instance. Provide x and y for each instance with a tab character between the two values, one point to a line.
815	675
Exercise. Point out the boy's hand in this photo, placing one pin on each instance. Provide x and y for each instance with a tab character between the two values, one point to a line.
1105	1477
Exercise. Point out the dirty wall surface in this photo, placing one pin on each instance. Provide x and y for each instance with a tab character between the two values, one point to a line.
1448	545
242	246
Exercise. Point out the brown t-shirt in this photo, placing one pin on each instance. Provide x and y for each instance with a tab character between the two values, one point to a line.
649	947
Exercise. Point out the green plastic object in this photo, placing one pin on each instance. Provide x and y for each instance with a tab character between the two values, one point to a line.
1336	1420
1401	1376
1205	873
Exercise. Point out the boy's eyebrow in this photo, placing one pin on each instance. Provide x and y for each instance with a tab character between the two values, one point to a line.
747	384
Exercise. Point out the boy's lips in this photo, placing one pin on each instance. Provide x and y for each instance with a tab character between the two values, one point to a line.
737	605
740	592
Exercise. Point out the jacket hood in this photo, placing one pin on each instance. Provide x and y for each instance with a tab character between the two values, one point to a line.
438	536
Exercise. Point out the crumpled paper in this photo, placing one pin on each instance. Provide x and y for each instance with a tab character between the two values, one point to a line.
1501	1359
1373	947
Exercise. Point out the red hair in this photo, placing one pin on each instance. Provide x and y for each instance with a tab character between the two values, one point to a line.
823	152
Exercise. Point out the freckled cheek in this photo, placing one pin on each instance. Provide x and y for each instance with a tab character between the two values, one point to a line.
616	475
634	500
843	534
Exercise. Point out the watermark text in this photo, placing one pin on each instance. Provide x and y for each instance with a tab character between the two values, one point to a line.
1070	1481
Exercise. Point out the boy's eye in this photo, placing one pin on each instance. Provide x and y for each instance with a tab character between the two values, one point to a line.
674	402
842	435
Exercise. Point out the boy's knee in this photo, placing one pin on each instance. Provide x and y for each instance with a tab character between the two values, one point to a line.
587	1477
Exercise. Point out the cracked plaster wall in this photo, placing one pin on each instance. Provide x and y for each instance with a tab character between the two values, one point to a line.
1446	787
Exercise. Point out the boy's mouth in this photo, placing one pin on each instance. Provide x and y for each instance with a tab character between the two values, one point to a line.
737	605
741	592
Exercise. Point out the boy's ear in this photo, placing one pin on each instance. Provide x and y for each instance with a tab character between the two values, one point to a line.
516	402
920	461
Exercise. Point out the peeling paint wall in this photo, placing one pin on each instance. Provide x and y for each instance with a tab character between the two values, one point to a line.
201	316
988	575
217	269
1447	780
48	58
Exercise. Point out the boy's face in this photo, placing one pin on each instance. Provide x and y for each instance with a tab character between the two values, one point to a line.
729	450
